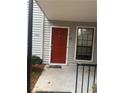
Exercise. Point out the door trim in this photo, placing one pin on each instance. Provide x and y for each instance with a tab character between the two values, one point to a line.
51	44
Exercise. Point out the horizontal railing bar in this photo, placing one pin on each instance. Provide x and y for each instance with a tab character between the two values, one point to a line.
86	64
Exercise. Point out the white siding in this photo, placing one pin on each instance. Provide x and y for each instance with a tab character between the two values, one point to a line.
37	33
46	41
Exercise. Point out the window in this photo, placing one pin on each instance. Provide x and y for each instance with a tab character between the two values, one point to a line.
84	43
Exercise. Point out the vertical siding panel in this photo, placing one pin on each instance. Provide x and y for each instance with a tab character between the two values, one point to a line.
41	35
37	31
46	42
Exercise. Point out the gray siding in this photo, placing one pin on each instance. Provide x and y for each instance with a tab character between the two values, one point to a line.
37	33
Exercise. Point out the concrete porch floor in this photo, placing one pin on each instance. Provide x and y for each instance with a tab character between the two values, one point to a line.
62	79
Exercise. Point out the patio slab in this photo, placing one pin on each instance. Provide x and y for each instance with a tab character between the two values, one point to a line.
60	79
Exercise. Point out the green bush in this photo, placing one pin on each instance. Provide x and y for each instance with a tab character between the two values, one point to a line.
36	60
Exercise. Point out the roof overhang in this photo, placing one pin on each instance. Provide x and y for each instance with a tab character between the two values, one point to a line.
69	10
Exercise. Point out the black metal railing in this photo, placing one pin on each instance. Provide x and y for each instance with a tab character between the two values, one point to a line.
89	66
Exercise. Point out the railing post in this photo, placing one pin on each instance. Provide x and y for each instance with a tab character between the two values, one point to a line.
94	75
82	80
76	79
88	79
29	52
83	74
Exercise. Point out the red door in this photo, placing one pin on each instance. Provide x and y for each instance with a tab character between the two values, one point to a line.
59	45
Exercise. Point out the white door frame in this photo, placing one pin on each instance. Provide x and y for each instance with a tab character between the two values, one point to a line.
66	46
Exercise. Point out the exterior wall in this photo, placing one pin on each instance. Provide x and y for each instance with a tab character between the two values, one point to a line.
41	45
46	41
40	34
37	33
72	36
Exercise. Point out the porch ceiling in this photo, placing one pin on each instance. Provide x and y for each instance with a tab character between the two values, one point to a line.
70	10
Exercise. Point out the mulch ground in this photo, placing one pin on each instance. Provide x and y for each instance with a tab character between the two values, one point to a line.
36	72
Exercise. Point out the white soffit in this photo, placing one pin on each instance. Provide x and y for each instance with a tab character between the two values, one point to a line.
70	10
